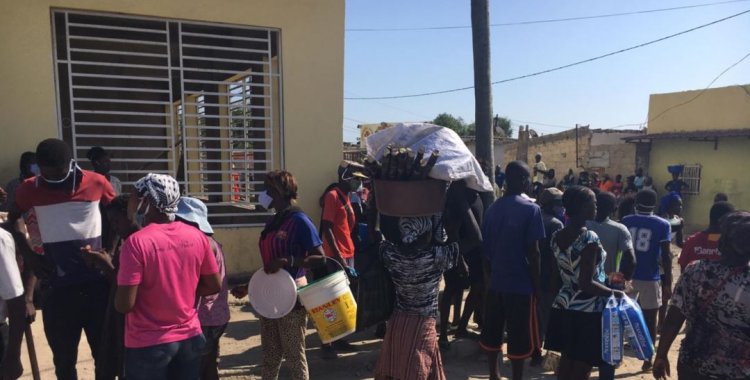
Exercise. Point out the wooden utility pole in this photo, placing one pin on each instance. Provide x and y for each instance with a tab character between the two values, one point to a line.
480	35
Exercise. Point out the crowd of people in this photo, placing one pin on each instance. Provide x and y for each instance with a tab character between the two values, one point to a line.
138	273
545	178
142	276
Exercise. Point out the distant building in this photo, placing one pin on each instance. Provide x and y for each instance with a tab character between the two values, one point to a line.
498	147
353	152
600	150
709	133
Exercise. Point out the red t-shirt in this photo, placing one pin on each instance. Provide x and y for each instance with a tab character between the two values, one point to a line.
166	262
700	246
341	216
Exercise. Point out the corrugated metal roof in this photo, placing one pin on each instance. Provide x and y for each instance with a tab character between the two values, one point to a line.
690	135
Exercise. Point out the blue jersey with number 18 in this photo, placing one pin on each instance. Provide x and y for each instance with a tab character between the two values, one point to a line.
648	232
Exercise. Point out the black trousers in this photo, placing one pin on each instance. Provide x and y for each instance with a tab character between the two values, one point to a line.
67	312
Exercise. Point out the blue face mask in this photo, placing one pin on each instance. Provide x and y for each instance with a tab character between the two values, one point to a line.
34	169
140	217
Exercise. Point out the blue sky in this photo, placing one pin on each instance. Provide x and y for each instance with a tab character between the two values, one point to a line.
606	93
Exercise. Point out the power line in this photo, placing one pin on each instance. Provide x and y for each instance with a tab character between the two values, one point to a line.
701	92
525	122
645	123
390	106
640	125
558	67
546	21
355	120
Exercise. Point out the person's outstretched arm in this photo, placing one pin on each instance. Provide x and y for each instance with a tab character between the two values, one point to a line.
669	330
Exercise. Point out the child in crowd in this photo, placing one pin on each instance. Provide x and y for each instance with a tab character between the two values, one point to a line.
213	310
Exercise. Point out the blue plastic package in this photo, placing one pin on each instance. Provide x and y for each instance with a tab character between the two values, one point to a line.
612	347
635	329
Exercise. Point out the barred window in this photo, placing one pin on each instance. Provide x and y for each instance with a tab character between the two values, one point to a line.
691	174
197	101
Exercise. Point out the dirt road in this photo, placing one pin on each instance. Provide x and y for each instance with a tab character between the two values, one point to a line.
241	355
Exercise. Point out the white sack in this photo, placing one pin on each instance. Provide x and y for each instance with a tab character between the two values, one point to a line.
455	162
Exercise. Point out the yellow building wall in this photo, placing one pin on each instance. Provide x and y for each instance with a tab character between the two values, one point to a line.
715	109
719	108
721	172
312	53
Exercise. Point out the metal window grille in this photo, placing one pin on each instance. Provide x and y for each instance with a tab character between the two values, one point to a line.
691	174
197	101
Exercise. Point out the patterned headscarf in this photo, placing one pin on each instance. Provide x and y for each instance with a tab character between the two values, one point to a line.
413	227
162	190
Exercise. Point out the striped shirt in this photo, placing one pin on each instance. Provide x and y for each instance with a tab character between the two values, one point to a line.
66	221
294	238
416	274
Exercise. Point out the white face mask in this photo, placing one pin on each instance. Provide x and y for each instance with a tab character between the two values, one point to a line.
265	200
71	168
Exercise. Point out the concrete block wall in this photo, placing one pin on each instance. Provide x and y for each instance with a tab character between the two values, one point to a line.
560	154
558	150
620	159
609	155
509	154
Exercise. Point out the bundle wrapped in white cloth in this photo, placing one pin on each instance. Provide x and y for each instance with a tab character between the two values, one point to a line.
455	162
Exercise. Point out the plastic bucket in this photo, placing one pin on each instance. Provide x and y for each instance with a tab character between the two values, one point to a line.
675	169
331	305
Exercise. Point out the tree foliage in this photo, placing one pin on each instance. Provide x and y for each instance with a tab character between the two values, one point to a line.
469	129
457	124
504	125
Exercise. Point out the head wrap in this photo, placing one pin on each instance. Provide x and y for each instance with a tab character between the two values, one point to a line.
162	190
735	233
412	228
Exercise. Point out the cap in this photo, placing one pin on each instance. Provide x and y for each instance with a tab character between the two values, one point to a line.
194	211
348	169
550	195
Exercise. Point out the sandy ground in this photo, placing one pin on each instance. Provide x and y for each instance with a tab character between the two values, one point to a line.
241	355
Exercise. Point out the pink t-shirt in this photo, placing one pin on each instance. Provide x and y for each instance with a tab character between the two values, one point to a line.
166	262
